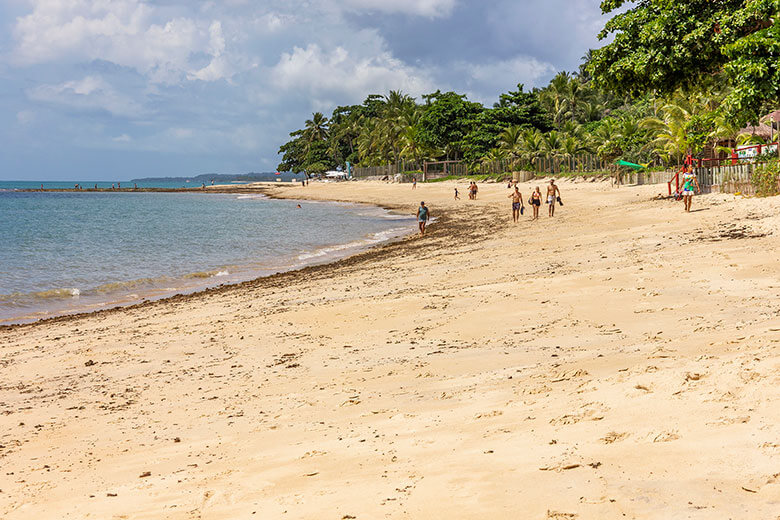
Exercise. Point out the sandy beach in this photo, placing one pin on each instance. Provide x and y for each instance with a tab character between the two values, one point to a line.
621	360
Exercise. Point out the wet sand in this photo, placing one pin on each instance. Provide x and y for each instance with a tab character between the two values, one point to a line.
618	361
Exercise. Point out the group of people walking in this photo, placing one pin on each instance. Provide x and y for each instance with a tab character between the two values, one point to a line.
535	201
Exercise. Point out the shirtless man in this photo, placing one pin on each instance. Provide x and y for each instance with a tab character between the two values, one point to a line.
552	196
517	203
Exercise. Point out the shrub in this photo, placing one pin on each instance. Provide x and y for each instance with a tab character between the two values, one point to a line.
766	179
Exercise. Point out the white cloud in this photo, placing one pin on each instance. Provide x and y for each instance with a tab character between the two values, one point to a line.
89	93
428	8
124	32
345	73
124	138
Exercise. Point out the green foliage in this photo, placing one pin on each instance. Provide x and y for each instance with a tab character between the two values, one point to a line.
664	46
447	119
678	77
766	179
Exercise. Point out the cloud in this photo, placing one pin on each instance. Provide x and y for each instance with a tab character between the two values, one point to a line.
124	32
346	74
427	8
504	75
91	93
227	80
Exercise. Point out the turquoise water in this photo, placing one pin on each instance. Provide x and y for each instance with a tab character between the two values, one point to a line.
77	251
64	185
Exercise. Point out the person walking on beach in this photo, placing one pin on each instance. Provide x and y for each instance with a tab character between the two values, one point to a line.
689	183
536	201
414	183
517	204
456	193
423	214
553	195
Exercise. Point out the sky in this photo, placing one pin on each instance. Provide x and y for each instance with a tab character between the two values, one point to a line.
120	89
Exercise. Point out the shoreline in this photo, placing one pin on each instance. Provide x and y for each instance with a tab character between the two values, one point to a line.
194	293
564	368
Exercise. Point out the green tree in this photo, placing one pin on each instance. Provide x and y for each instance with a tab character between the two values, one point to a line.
447	119
661	45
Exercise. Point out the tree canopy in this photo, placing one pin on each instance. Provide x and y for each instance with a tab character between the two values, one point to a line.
673	78
661	46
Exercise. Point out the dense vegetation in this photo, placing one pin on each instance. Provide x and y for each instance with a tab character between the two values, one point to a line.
676	77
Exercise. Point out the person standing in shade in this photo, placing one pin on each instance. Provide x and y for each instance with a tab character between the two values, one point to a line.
517	204
553	195
423	214
690	182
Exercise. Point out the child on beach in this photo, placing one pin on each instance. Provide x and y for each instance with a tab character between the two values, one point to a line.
456	194
689	183
422	217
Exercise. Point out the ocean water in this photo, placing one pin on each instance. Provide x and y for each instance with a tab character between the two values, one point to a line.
79	251
65	185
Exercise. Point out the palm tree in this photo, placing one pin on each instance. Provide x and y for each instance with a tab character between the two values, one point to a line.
552	143
555	96
592	111
316	128
603	139
510	140
671	138
531	146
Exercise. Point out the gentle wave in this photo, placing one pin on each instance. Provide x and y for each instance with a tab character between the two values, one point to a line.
62	293
372	239
22	299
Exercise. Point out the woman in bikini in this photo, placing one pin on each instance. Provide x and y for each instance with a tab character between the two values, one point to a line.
536	202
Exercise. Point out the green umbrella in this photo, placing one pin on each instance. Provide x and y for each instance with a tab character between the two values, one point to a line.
630	165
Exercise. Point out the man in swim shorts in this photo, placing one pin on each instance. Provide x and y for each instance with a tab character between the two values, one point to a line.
517	204
553	193
423	214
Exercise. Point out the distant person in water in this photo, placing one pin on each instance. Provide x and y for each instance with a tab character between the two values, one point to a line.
690	182
517	204
536	201
299	206
553	196
423	214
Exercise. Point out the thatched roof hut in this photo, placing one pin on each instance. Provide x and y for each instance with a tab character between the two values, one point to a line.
760	130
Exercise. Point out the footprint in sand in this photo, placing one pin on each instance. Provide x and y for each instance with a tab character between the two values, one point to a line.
668	436
613	437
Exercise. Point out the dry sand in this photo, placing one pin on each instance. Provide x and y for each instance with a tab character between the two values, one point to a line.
618	361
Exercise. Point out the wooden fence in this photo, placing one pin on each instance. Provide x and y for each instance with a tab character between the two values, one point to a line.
726	179
386	170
